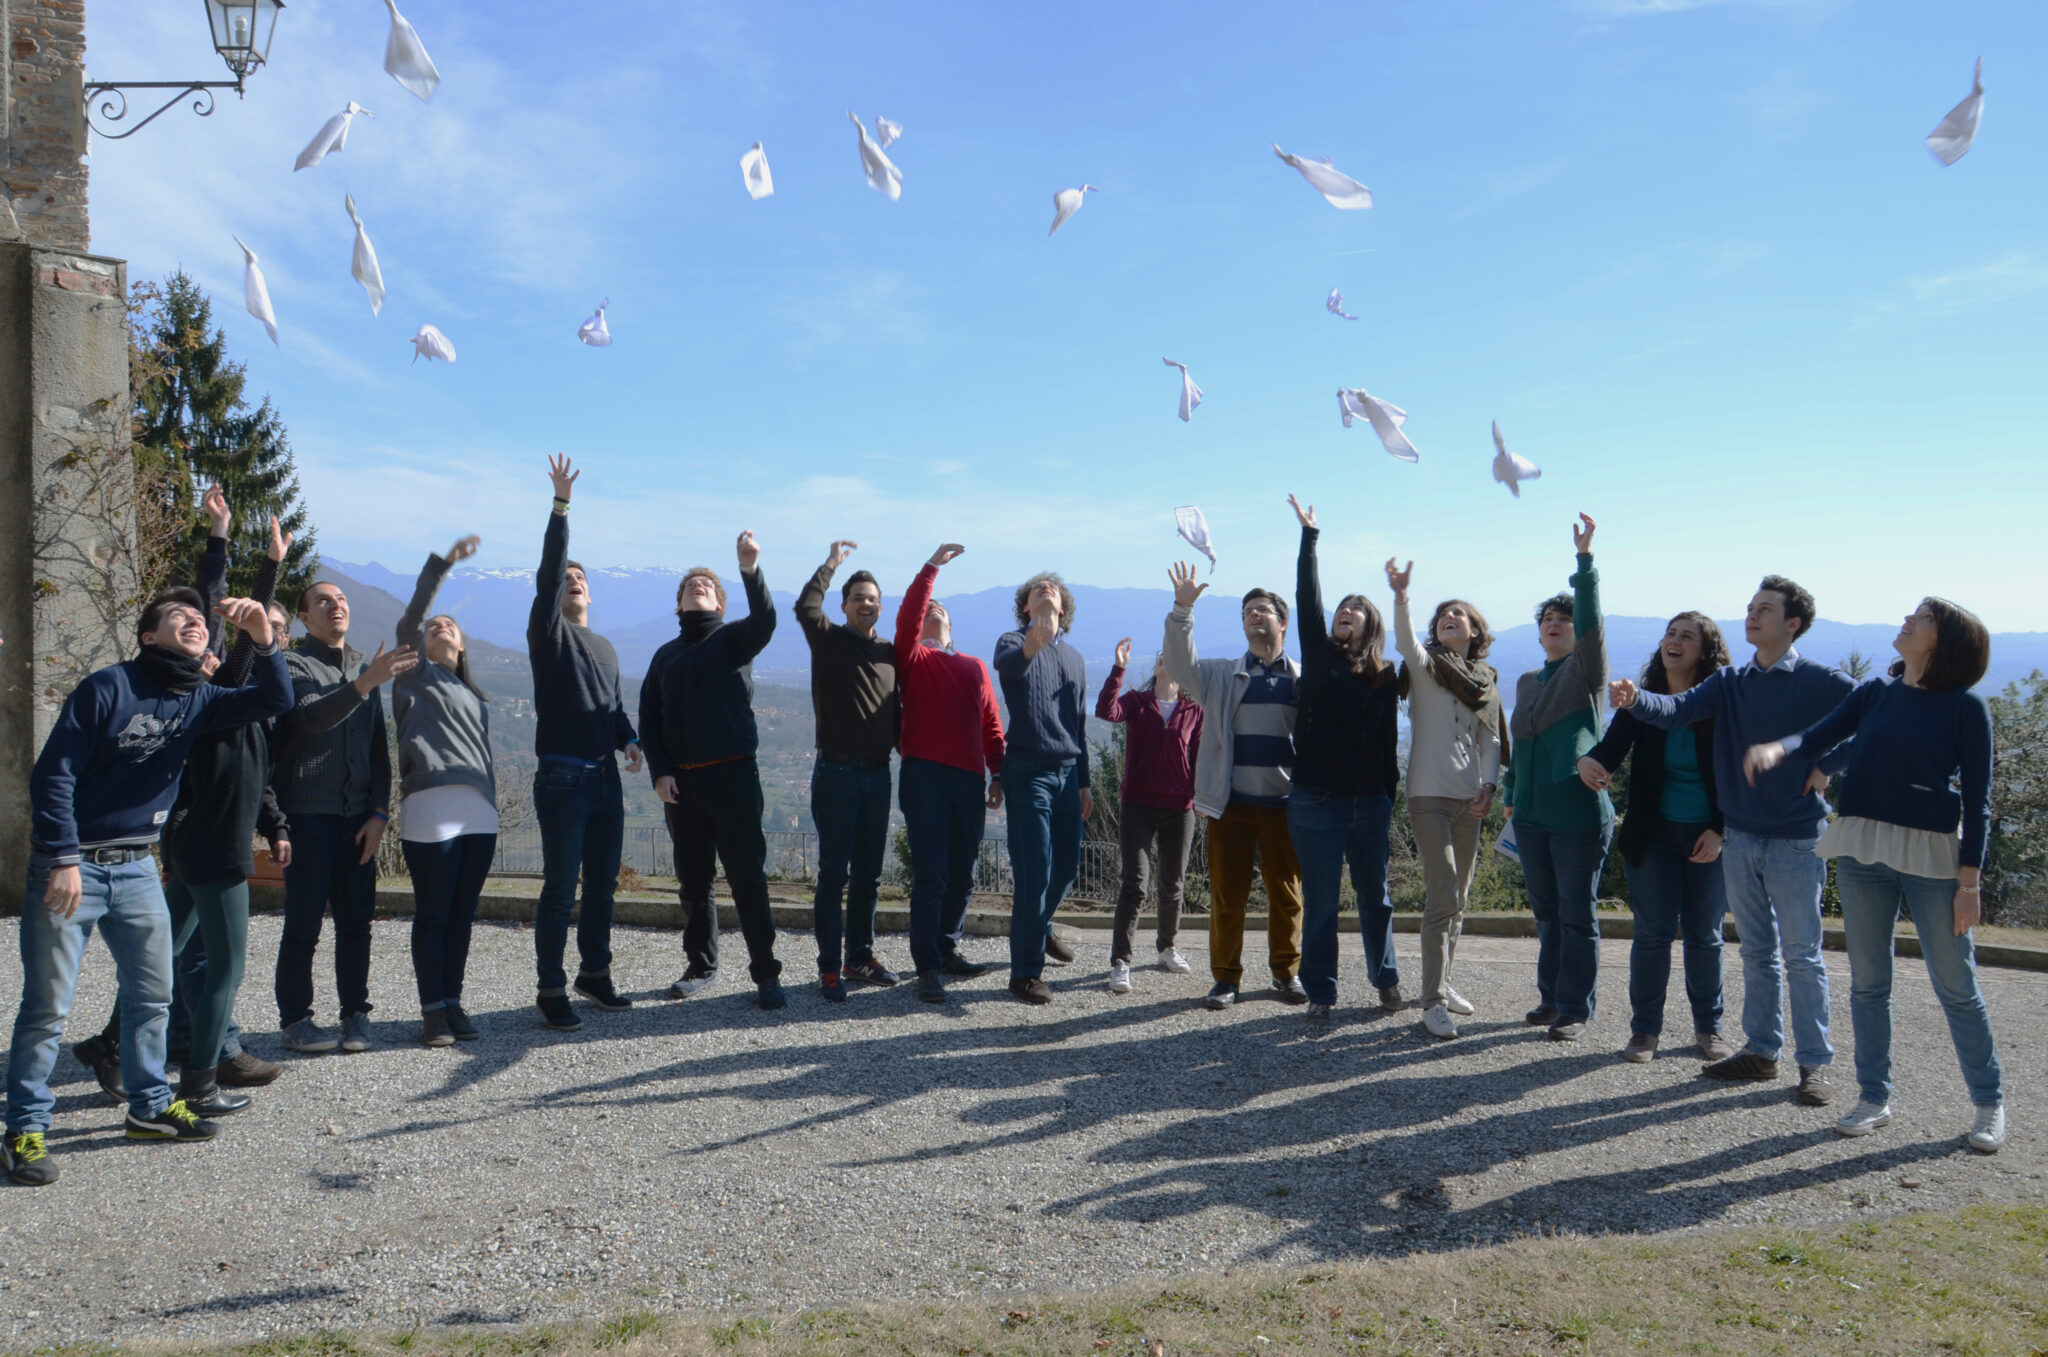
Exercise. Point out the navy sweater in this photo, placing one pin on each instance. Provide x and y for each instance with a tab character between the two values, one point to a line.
1910	743
577	697
1347	727
697	701
109	771
1048	700
1751	706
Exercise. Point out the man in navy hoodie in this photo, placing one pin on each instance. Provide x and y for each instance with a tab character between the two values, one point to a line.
100	793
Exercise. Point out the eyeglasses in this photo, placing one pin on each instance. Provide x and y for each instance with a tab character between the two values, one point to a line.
1260	610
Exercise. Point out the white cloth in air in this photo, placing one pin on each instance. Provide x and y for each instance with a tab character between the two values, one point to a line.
1190	394
1509	469
1195	528
430	344
255	295
1340	189
1386	420
594	331
754	173
332	136
883	176
1066	203
886	132
1953	137
439	814
1335	305
364	265
406	59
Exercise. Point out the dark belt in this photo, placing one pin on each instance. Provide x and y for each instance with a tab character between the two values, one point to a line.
114	856
865	765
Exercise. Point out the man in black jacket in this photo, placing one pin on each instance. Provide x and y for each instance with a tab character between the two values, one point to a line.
697	710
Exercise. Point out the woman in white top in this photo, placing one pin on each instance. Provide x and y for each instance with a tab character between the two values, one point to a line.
1454	760
448	817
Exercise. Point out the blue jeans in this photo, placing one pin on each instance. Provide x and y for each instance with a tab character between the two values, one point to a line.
126	901
447	880
1043	803
850	807
1562	871
1673	896
326	870
945	810
1326	831
1774	888
1870	906
582	816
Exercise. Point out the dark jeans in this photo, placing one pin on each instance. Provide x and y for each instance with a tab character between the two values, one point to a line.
1043	802
1563	875
188	982
718	811
447	879
1327	831
212	920
945	810
1144	832
582	818
1673	897
326	872
850	807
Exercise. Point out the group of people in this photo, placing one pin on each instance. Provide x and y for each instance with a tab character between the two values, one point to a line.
192	751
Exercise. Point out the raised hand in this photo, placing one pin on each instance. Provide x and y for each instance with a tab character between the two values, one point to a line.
248	616
1397	580
1582	538
947	551
387	665
215	503
1761	758
1621	694
750	551
836	557
1186	588
464	548
1123	653
1307	516
561	475
280	540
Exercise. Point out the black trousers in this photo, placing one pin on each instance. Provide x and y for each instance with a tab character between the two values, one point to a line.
716	819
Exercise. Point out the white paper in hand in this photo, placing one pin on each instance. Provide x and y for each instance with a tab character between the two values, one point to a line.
1190	394
1509	469
364	266
754	173
1339	188
430	344
255	295
1335	305
1505	845
1959	128
1066	203
883	177
332	136
405	56
1195	529
594	331
886	132
1386	420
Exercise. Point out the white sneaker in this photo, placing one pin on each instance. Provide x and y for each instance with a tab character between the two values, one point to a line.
1987	1133
1863	1118
1437	1022
1119	977
1170	959
1458	1003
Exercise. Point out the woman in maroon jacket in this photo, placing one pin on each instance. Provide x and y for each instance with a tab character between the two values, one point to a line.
1156	813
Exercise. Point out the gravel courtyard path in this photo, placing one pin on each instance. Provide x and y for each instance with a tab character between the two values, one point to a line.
703	1154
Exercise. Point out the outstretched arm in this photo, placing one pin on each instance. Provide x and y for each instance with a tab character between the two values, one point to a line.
235	672
552	579
1109	703
752	632
810	603
1178	646
1308	586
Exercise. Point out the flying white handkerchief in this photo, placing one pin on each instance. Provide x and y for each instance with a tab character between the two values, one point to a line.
1509	469
1066	203
1386	420
1195	529
1336	305
1341	189
883	177
1190	394
886	131
332	136
754	173
594	331
430	344
254	294
1959	128
365	266
405	56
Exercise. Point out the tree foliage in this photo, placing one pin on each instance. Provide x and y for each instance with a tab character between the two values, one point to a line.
2016	871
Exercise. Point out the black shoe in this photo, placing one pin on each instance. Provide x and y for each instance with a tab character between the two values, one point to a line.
1543	1015
556	1013
832	987
955	964
1057	950
26	1159
199	1091
1221	996
930	988
770	995
1291	990
1567	1029
598	989
1742	1065
176	1122
1031	990
458	1022
104	1060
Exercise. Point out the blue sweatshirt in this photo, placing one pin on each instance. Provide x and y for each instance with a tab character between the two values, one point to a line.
1754	706
109	772
1048	700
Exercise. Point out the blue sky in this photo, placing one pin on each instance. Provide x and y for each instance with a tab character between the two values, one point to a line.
1691	254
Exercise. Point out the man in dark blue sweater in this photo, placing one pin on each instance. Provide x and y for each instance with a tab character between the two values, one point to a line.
100	794
1774	879
1045	770
697	711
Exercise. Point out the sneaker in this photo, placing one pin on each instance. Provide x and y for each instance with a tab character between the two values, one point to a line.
1290	990
176	1122
1742	1065
1543	1015
1058	950
1814	1088
768	994
1569	1029
307	1038
556	1013
27	1159
692	981
1172	961
434	1030
1641	1048
1987	1132
1437	1022
104	1060
598	989
1458	1003
832	987
1316	1012
1713	1046
1391	1000
355	1032
459	1023
930	988
1031	989
870	972
1862	1119
1221	996
1119	977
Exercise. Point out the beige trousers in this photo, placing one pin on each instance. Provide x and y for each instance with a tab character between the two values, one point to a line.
1447	838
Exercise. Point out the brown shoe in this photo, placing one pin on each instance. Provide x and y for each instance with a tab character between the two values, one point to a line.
1814	1088
1742	1065
1031	991
1058	950
1713	1046
246	1071
1641	1048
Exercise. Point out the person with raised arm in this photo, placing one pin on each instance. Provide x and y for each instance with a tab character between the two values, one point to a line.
952	761
448	785
1458	733
582	727
1772	876
1908	838
1156	807
853	692
1346	767
1562	827
105	781
1242	778
1670	842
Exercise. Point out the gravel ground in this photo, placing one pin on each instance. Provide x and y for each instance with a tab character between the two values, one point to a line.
704	1155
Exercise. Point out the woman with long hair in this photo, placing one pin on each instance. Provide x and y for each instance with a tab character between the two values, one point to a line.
1907	837
1156	806
1345	769
448	814
1457	742
1670	843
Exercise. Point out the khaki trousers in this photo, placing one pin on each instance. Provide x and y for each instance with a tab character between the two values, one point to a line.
1447	838
1243	833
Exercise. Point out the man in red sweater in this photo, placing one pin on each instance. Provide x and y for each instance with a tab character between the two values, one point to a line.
952	745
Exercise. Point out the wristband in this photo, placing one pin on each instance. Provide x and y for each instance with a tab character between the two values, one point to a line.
561	503
380	815
1969	890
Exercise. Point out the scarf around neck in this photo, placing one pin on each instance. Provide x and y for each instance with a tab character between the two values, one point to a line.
174	672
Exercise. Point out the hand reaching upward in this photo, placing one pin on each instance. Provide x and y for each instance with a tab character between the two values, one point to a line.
946	553
280	540
749	551
1397	580
836	557
215	503
559	472
1307	516
1186	588
1582	538
464	548
1123	653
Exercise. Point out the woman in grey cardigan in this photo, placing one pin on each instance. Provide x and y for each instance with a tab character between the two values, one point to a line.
448	817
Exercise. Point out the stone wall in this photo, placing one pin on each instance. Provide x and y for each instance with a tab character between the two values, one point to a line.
42	123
